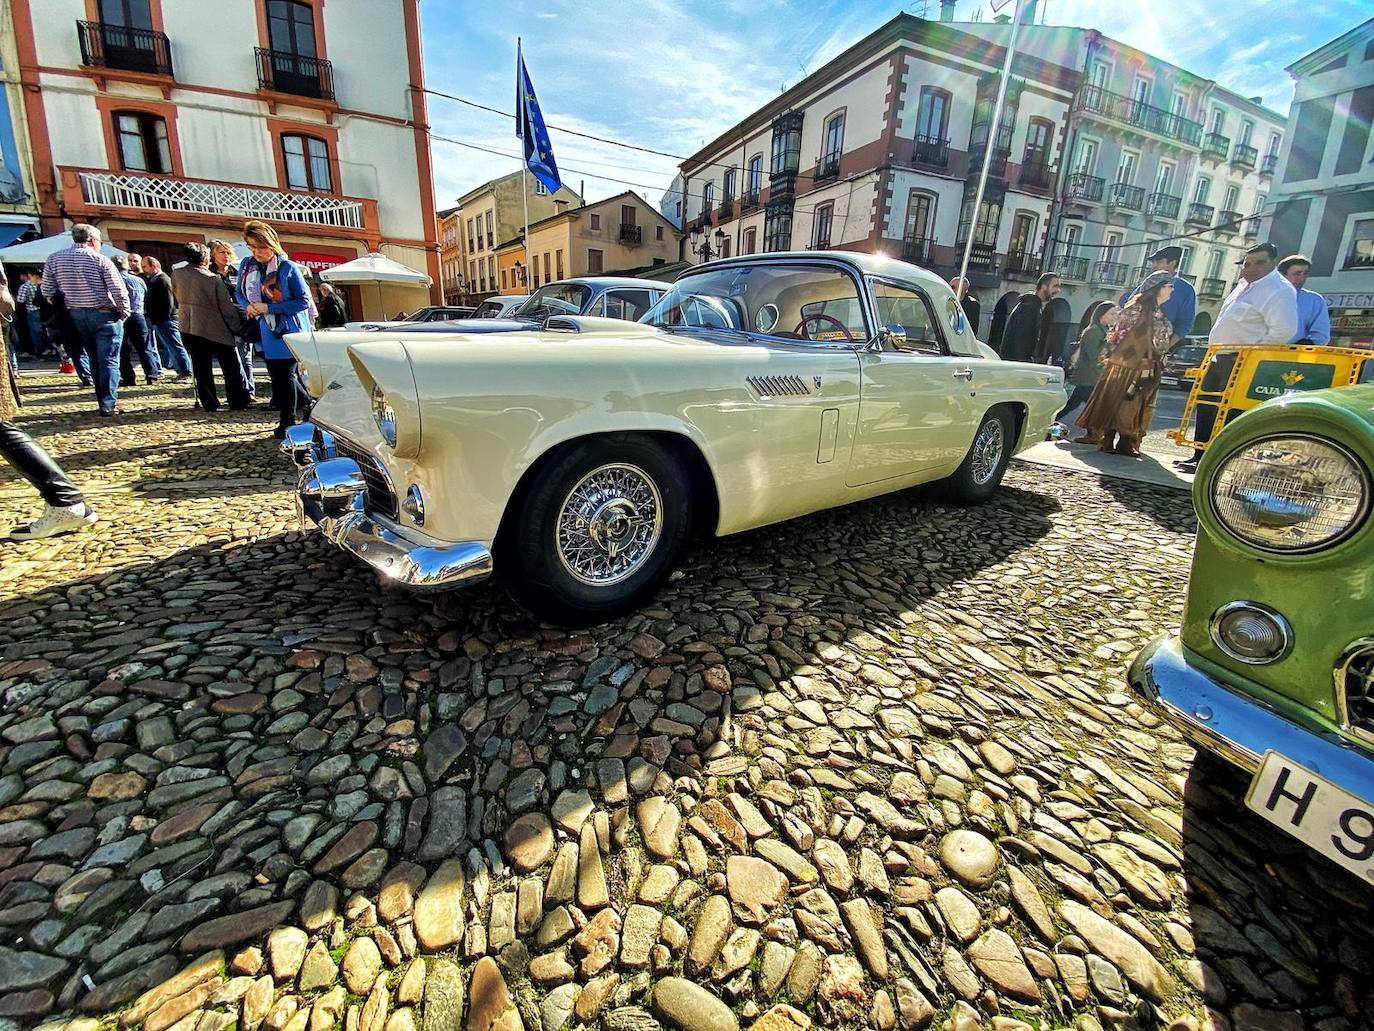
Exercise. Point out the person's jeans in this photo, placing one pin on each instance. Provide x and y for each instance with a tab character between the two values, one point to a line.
1079	396
37	466
204	353
169	343
287	394
38	336
136	341
102	335
245	349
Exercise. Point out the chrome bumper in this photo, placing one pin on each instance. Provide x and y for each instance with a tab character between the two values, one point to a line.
1237	727
332	494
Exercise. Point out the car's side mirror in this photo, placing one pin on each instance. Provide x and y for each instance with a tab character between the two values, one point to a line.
890	338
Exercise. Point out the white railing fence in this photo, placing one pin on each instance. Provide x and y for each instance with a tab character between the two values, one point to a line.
127	190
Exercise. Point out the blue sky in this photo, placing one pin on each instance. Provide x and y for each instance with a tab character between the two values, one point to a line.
672	75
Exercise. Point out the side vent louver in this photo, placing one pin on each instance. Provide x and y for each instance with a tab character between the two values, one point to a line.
779	386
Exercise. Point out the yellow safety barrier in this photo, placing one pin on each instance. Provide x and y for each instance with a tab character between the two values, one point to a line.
1235	378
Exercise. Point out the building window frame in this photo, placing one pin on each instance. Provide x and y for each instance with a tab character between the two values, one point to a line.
822	225
751	240
314	159
327	134
1087	145
111	106
1202	189
594	221
147	133
832	136
708	198
595	266
756	175
934	129
727	189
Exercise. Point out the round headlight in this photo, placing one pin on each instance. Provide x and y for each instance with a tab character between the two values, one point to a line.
1291	494
384	415
1251	633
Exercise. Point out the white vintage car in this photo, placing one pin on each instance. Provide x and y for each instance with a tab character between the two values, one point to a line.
577	459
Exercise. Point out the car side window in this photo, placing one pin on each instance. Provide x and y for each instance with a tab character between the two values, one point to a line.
627	304
910	309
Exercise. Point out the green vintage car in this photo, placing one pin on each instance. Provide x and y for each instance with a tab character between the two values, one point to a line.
1273	670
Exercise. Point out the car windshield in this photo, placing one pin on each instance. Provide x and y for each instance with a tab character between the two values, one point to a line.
555	299
1187	353
792	302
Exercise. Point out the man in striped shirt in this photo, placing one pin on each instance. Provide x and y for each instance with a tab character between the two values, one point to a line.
94	293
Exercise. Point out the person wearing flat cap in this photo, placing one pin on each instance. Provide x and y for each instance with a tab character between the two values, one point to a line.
1181	309
1123	401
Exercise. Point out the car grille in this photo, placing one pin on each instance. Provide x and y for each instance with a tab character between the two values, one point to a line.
1355	684
380	497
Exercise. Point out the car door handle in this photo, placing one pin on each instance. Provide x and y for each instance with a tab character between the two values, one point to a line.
963	374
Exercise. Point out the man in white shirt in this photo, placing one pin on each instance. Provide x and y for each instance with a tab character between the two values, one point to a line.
1262	309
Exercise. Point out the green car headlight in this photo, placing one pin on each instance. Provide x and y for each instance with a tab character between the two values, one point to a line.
384	415
1291	493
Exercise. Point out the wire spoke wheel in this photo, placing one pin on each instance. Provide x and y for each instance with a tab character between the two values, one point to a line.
609	524
987	451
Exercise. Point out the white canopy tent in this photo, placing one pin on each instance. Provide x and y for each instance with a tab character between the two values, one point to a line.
35	252
378	270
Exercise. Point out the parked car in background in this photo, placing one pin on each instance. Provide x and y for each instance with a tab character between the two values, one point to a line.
612	297
578	457
1273	670
1184	355
499	307
440	313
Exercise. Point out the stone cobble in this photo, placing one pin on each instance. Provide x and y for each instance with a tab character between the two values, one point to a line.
872	768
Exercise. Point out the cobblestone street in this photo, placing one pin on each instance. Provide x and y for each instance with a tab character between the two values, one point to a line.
873	768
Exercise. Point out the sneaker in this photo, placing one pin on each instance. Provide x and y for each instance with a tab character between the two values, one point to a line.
67	369
56	521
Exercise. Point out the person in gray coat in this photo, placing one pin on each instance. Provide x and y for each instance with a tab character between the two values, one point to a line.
209	323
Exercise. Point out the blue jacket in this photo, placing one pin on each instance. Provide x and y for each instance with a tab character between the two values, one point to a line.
287	315
1180	309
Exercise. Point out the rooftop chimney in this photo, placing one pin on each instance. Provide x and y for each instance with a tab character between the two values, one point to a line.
947	10
560	206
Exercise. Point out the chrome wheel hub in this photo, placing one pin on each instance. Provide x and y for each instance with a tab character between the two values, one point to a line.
609	525
987	451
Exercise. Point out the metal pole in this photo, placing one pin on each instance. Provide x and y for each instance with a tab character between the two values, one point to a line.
993	131
524	167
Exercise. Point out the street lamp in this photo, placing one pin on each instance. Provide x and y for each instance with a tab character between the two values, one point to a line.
701	244
518	271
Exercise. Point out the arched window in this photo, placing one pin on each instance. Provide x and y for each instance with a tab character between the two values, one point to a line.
306	160
932	117
708	199
143	142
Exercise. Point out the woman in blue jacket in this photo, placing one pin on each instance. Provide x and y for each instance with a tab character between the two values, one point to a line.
273	291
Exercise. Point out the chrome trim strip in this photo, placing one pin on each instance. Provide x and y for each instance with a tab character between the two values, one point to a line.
1238	728
1284	626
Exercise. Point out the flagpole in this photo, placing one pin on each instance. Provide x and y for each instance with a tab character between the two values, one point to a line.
524	167
993	131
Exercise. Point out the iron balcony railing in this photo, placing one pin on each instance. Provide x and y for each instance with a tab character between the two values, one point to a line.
1215	145
1021	265
1071	268
1163	205
1111	273
1244	156
916	249
749	200
827	167
631	234
782	182
931	150
1035	171
1212	288
726	207
1124	195
1251	229
132	50
1136	113
1269	164
1082	186
1227	221
1199	214
982	256
301	76
996	155
203	197
1189	276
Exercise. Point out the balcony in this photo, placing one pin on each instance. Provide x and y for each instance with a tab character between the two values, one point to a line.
1082	186
827	167
931	151
1020	265
982	257
782	183
1072	268
1199	214
129	50
1227	222
1163	205
1126	197
1035	171
726	208
1269	164
300	76
749	200
916	249
90	194
1251	231
1212	288
1244	157
1215	145
1109	273
997	155
631	234
1139	115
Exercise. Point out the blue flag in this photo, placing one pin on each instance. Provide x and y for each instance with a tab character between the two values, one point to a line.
529	126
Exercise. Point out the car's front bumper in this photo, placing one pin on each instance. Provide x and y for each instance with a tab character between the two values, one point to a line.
1237	727
332	493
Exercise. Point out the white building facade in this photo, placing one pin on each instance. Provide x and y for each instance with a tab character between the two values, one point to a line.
166	122
1324	188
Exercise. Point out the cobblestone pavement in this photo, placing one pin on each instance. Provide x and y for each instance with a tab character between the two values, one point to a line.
874	768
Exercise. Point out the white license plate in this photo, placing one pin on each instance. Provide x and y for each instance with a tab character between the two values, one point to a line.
1328	819
1168	381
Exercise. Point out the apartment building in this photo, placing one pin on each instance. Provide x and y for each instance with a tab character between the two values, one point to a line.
606	237
1324	189
167	122
18	200
450	255
1157	153
493	213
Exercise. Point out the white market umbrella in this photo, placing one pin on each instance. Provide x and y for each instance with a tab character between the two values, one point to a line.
375	268
35	252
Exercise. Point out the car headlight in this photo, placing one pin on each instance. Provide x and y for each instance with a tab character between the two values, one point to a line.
1291	493
384	416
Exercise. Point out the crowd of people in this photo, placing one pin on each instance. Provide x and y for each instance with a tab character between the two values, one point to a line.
99	315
